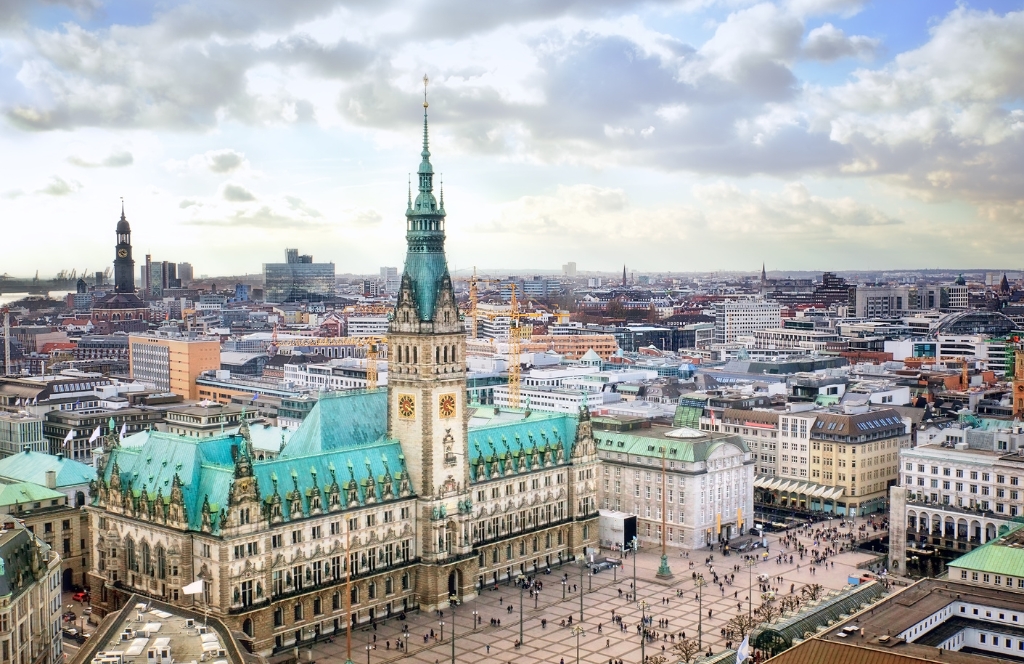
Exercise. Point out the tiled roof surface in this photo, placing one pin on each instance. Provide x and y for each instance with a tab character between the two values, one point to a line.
508	440
27	492
32	466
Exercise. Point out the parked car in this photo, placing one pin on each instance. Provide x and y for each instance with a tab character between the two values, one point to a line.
69	616
81	596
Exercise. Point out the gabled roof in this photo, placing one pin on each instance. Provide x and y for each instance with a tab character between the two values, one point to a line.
31	467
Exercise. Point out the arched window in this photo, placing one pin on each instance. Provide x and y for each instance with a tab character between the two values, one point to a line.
161	563
437	355
146	567
415	355
79	499
446	354
247	627
129	548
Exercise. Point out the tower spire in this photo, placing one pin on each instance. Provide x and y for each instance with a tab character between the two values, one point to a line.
122	207
426	150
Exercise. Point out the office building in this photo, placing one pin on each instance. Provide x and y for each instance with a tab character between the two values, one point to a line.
569	269
957	491
697	485
390	278
172	364
80	423
185	273
743	318
839	461
298	279
21	431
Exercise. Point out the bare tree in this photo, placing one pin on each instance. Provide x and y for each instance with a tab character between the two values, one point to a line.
656	659
768	612
789	603
812	591
741	625
686	649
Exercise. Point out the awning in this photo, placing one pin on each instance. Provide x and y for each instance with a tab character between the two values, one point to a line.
809	489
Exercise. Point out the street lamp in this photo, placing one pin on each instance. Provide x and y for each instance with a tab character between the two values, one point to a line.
642	605
751	562
475	613
635	544
368	648
536	598
521	580
563	589
578	632
453	601
441	623
700	583
582	561
406	636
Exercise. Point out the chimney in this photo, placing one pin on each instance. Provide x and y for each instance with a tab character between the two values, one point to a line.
51	479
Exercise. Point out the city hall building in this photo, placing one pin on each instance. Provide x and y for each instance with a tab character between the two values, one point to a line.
382	500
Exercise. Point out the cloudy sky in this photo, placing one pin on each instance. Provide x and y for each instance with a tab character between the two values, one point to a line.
667	135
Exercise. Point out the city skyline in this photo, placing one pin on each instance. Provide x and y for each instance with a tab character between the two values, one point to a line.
694	136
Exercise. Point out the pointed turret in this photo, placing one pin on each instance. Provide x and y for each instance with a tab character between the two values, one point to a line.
426	269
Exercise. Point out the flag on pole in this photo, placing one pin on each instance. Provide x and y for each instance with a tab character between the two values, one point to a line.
194	588
124	430
255	396
743	652
68	438
95	435
712	419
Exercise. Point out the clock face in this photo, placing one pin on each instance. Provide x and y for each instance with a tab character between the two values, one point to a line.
446	405
406	406
123	253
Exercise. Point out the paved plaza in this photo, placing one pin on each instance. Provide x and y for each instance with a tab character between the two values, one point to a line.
603	640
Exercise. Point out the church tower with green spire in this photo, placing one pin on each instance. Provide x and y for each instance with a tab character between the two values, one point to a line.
427	392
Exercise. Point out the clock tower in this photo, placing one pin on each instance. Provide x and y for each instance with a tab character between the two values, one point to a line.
427	393
124	265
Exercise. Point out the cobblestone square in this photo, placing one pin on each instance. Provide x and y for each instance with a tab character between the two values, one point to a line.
603	640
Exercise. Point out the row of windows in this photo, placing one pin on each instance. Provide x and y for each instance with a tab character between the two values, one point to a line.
973	474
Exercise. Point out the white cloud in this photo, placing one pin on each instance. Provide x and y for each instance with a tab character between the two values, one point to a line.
116	159
829	43
58	186
236	193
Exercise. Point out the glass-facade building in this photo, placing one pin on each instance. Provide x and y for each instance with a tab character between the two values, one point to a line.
295	282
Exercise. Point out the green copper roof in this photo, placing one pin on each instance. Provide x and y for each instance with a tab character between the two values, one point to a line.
32	466
343	439
27	492
504	440
425	265
688	450
1003	555
341	419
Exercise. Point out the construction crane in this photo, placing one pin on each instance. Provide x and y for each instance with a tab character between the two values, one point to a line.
473	296
372	345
